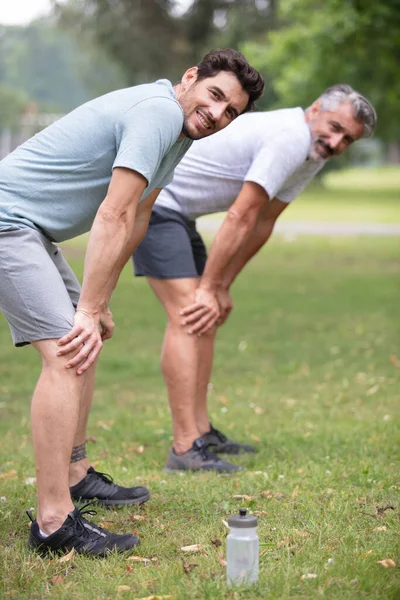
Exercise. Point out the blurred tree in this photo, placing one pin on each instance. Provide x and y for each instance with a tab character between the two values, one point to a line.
319	44
46	65
151	39
12	104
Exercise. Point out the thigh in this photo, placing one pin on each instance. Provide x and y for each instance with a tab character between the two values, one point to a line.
33	295
166	251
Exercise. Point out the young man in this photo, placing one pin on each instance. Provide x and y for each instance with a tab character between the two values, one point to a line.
100	168
255	169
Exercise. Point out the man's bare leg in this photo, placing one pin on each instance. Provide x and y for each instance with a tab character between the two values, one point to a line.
179	360
79	466
205	357
54	417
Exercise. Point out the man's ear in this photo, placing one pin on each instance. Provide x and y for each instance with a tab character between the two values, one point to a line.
189	77
315	108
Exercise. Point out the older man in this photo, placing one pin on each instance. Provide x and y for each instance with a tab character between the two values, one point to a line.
100	168
254	169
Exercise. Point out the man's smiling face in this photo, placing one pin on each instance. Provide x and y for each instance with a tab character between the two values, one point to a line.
332	131
211	104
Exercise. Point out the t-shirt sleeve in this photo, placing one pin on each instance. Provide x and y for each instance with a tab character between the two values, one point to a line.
299	183
145	133
277	159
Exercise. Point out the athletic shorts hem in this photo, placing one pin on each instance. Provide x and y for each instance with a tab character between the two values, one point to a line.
22	341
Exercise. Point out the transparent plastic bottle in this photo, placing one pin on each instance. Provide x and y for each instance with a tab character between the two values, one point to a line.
242	549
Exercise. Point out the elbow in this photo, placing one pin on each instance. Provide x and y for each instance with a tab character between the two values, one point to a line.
112	215
242	221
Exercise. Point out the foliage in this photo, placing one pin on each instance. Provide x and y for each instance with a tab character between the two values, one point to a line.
12	103
319	44
44	63
149	40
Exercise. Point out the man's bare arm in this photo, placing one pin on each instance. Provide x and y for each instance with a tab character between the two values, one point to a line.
266	219
117	230
230	239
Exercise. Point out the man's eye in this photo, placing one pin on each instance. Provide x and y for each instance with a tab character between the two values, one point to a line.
214	93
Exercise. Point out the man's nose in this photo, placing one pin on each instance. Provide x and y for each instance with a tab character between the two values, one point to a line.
336	140
217	111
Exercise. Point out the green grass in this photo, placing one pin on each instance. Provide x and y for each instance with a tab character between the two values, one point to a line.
307	368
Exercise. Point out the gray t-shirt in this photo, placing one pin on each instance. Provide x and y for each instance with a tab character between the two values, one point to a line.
56	181
268	148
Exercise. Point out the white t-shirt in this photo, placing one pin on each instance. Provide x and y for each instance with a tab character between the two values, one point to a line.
269	148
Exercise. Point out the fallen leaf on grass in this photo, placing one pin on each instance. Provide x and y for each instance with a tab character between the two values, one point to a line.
123	588
57	580
372	390
91	438
9	474
138	518
295	492
192	548
222	561
255	437
388	563
224	400
140	559
301	533
187	567
267	494
155	598
30	480
309	576
243	497
365	554
382	528
67	557
394	360
260	513
216	542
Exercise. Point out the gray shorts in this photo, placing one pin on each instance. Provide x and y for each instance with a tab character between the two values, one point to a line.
171	249
38	290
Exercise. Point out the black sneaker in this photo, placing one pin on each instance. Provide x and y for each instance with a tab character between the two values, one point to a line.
198	458
76	532
218	442
100	487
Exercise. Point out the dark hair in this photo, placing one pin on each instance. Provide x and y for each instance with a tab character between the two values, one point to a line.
231	60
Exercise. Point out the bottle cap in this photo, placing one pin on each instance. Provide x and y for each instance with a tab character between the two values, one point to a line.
242	519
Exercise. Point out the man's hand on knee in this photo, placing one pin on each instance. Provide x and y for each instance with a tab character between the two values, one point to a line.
84	341
202	315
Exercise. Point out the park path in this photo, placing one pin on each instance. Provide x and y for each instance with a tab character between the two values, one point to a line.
212	223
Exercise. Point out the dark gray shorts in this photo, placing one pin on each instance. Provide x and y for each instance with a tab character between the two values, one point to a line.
171	249
38	290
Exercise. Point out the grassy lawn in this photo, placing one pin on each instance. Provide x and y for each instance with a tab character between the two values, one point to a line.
308	369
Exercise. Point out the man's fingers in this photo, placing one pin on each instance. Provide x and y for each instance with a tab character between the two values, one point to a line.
191	308
195	315
82	355
92	357
204	324
73	345
68	337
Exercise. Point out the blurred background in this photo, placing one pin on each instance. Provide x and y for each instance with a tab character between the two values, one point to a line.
55	55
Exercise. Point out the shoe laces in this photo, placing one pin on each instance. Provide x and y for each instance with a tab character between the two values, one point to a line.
205	452
82	527
106	478
222	438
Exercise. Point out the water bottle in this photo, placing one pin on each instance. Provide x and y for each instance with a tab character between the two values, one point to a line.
242	549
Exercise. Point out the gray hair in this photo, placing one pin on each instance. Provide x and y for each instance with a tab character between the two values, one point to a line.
363	110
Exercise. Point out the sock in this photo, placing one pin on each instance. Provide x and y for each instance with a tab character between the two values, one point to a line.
44	535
